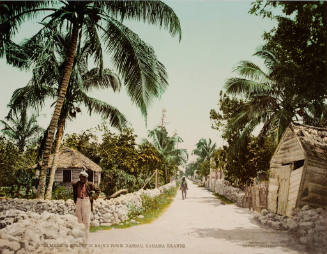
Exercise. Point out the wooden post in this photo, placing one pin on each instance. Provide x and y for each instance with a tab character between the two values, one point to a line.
156	178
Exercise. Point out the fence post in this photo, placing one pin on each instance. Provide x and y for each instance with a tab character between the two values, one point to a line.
156	178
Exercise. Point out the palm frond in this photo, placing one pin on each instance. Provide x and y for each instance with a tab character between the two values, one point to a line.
269	58
136	62
153	12
109	79
246	87
116	118
13	14
29	96
252	71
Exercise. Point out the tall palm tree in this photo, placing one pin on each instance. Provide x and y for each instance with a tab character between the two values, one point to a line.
81	81
167	147
268	96
21	129
143	75
204	149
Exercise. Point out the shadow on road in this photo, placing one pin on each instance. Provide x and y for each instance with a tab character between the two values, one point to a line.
254	237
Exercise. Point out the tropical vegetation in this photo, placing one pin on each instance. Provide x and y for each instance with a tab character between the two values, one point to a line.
259	103
142	74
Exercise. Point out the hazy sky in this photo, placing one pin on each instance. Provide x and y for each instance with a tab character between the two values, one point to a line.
216	35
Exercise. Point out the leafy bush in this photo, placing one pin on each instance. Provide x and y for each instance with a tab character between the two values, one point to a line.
134	211
154	204
62	192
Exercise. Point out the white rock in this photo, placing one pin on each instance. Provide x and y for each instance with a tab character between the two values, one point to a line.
7	251
95	223
77	233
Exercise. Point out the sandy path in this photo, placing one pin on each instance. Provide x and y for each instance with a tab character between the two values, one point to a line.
202	225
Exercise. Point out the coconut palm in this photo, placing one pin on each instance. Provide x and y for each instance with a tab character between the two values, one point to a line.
268	96
204	149
143	75
21	129
166	145
82	80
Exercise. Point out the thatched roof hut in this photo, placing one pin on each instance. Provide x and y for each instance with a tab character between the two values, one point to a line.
70	163
298	170
70	158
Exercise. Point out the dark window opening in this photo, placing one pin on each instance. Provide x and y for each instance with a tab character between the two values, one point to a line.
67	176
90	173
305	192
298	164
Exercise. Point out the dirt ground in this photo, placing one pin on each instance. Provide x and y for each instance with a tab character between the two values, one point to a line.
199	224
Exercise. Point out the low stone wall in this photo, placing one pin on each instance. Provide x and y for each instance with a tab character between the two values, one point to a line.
27	225
308	225
30	232
224	188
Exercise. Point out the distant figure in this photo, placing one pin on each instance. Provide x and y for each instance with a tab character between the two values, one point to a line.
84	194
183	187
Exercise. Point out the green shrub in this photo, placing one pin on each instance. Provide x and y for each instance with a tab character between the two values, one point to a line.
134	211
61	192
153	204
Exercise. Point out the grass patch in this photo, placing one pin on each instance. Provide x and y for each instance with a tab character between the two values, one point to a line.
223	198
152	209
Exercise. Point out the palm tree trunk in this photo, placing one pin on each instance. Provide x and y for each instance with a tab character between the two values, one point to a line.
59	135
55	117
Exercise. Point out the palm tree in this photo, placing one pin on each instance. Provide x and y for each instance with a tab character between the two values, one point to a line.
143	75
268	96
167	147
21	129
82	80
204	149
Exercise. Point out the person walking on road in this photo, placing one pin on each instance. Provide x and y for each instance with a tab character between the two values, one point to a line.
183	187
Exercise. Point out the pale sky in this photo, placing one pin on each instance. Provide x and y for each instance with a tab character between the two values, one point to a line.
216	35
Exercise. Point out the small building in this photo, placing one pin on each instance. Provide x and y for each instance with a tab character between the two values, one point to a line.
71	163
298	170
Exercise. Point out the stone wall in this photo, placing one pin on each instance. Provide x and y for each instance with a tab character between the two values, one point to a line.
27	225
308	225
224	188
30	232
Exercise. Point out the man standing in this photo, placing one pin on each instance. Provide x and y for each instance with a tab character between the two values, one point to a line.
84	194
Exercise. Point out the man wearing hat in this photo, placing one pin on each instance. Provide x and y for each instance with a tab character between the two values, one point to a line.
84	194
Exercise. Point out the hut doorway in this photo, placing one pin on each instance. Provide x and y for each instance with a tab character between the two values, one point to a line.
284	173
279	189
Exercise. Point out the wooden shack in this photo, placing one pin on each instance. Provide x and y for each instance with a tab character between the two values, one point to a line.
298	170
71	163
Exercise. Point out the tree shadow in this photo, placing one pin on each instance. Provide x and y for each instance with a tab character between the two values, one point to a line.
252	237
206	200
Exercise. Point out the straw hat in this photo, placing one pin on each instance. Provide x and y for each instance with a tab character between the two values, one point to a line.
83	173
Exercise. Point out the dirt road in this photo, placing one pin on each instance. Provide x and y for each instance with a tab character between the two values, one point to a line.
200	224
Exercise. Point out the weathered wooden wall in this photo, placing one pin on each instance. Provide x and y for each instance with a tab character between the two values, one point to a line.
58	175
314	191
284	182
288	151
273	190
256	196
295	180
75	175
